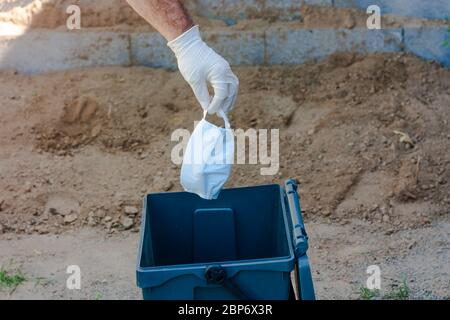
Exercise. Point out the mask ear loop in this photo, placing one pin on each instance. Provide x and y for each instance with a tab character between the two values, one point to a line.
225	119
221	114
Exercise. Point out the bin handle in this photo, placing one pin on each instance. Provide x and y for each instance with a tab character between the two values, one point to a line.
217	275
300	242
300	237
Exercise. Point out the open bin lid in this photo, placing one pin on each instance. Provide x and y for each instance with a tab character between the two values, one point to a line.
303	276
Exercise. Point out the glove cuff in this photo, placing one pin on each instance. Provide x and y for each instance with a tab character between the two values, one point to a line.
186	40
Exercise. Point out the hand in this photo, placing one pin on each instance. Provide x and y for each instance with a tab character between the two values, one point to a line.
199	65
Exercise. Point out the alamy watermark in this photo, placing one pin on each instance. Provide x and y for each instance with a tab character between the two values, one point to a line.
252	147
374	280
374	20
73	22
73	282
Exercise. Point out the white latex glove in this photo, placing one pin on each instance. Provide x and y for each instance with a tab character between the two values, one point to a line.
199	65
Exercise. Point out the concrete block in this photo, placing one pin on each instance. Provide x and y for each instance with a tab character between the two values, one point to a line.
150	49
435	9
296	46
427	43
283	10
231	11
239	48
41	51
226	9
319	2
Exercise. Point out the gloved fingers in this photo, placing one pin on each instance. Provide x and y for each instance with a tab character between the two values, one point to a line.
229	103
216	104
225	85
221	101
224	94
201	92
224	98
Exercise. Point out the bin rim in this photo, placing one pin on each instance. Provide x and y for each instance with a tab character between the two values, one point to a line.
224	190
230	264
198	269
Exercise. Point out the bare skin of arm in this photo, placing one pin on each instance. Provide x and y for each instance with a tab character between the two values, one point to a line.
199	64
168	17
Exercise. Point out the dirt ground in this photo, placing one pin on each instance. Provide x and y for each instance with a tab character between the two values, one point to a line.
368	137
339	255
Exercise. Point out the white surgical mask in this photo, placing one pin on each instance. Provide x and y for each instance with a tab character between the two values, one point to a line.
208	159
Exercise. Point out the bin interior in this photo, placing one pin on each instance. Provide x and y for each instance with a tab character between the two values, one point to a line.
242	224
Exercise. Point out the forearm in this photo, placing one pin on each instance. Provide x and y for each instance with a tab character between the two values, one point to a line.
169	17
